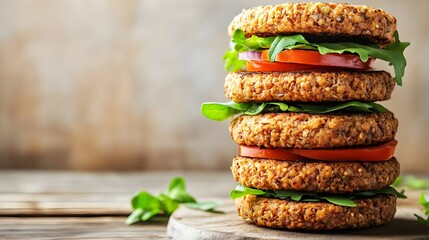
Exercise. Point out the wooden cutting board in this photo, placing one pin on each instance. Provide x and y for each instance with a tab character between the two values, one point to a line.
192	224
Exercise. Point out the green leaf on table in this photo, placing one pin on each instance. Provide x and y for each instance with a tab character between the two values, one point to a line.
145	205
135	216
177	191
167	204
422	220
425	203
145	200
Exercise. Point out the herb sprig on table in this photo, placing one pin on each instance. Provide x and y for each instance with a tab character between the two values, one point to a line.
425	203
145	205
416	183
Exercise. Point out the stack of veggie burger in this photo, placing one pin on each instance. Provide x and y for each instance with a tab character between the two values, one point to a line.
315	150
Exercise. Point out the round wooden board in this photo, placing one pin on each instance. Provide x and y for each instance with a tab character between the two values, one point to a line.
193	224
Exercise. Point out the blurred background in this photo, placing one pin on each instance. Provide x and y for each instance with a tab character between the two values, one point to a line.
117	85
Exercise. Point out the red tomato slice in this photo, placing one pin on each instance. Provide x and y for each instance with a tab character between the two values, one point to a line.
372	153
309	57
265	66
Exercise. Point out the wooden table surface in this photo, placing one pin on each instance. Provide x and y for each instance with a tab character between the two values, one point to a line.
46	205
72	205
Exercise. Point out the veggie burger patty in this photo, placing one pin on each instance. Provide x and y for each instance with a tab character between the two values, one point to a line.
314	86
314	176
278	213
324	21
301	130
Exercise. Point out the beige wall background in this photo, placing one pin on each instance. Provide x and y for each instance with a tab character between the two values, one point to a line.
117	85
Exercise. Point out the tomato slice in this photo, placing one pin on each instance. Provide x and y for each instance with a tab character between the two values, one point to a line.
309	57
372	153
265	66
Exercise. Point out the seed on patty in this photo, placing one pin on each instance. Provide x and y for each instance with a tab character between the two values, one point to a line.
277	213
320	21
301	130
314	176
314	86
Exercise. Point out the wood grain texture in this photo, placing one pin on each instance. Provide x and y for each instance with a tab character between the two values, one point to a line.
79	228
190	224
117	85
104	194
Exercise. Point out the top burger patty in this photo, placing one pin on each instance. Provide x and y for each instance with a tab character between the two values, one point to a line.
319	22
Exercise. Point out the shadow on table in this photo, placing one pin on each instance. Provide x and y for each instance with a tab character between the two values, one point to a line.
399	227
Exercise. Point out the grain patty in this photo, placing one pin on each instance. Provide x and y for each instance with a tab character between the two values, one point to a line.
301	130
314	176
314	86
277	213
320	21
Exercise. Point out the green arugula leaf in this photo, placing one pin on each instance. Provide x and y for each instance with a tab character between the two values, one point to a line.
145	205
177	191
287	194
422	220
147	214
232	63
425	203
398	181
239	43
281	43
392	191
135	216
341	200
221	111
393	53
241	191
145	201
167	204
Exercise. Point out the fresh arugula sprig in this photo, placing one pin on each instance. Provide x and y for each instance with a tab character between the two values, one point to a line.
341	200
145	205
221	111
393	53
413	182
425	203
239	43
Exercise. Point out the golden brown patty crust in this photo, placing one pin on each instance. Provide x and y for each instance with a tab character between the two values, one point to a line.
301	130
314	176
322	21
314	86
277	213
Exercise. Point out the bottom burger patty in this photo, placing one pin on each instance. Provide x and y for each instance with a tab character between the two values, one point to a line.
277	213
314	176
